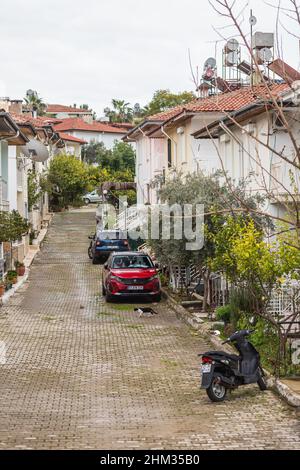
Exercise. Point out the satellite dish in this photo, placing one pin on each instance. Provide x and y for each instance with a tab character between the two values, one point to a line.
232	59
265	55
232	45
36	151
210	63
252	20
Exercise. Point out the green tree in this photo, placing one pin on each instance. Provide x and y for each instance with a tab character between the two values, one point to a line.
12	226
120	112
35	103
164	99
67	180
218	203
120	158
33	189
97	153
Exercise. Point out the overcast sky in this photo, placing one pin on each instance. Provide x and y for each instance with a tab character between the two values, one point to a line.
74	51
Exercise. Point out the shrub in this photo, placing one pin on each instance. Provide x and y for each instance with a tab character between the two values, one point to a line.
224	313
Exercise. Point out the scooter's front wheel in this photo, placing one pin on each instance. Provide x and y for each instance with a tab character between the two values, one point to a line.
262	381
216	391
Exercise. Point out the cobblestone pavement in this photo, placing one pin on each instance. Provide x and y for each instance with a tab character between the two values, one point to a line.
81	374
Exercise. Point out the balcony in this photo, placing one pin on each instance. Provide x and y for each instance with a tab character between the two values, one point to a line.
4	204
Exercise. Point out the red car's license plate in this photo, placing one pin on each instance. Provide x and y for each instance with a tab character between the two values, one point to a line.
135	288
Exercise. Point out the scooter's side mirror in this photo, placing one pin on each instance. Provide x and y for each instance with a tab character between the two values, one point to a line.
91	237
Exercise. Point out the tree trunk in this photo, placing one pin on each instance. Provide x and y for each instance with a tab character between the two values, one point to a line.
206	277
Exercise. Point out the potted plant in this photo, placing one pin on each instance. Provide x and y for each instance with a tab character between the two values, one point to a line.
7	284
20	268
12	276
2	288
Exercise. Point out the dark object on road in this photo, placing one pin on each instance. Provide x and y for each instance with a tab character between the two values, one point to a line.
147	311
105	242
131	274
222	371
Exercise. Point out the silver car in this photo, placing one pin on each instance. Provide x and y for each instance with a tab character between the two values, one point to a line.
92	197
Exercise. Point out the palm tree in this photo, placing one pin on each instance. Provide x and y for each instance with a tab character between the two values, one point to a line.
35	103
121	112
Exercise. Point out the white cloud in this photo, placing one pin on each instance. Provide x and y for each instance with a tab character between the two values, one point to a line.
72	51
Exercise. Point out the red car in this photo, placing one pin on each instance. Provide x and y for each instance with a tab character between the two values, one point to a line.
130	274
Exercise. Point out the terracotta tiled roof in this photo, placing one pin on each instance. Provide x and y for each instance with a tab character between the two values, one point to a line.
235	100
168	114
77	124
230	101
59	108
28	119
71	138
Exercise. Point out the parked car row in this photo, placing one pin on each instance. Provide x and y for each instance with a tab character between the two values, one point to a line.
125	273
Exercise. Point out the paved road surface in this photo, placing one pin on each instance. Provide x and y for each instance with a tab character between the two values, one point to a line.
81	374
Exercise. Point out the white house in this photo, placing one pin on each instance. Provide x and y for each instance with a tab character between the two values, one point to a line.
91	132
165	142
254	143
71	145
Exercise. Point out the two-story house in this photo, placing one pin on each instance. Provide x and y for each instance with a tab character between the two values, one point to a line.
254	143
166	142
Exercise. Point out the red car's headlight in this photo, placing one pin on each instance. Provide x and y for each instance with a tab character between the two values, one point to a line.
116	278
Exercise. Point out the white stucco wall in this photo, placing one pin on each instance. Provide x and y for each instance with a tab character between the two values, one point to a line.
151	161
12	178
244	156
107	138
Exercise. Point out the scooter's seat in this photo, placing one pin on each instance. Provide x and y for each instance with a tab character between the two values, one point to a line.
223	354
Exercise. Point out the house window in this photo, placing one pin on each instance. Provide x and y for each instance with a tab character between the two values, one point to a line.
169	153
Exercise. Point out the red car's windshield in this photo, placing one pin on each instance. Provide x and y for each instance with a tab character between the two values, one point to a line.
132	262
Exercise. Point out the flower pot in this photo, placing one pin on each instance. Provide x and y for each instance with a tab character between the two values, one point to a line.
2	290
21	270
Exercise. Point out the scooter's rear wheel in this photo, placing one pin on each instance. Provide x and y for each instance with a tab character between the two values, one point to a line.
216	392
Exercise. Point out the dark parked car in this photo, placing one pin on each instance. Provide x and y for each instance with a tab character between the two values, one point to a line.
105	242
131	274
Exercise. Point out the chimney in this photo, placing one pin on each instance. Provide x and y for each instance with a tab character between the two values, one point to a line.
5	104
16	106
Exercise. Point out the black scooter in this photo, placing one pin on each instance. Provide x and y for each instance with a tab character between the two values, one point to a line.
222	371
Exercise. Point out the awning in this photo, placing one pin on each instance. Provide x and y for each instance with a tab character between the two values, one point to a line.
10	131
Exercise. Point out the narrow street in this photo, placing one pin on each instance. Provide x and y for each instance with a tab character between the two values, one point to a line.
81	374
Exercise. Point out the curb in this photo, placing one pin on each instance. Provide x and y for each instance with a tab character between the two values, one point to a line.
291	397
6	297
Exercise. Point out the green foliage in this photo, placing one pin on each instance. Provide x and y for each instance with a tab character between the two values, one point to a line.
35	103
265	339
33	188
224	313
120	112
12	226
67	180
164	99
213	194
120	158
